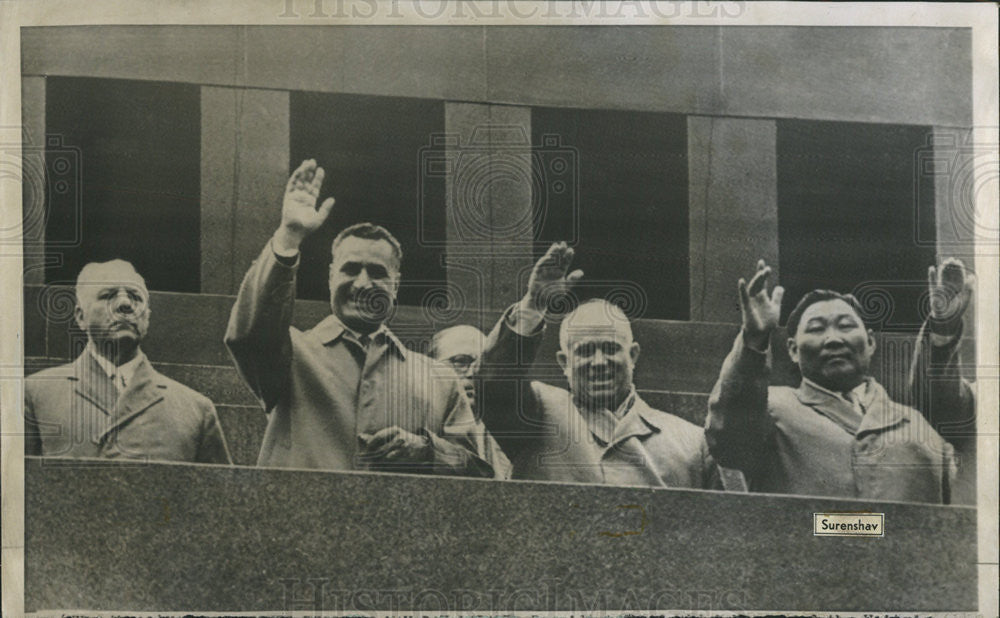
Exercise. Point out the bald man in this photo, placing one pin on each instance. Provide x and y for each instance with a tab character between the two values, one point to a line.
600	431
110	403
461	348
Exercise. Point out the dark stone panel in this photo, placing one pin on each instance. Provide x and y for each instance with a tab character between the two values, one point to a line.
34	318
436	63
159	537
675	356
372	149
243	427
849	203
197	54
923	75
222	384
622	202
622	67
689	406
183	328
127	155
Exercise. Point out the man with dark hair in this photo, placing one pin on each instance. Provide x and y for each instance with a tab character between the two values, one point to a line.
837	434
346	394
601	430
110	402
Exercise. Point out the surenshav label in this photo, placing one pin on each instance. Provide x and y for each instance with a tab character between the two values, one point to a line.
849	524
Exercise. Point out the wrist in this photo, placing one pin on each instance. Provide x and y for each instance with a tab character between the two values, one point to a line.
286	242
756	340
524	319
528	304
944	333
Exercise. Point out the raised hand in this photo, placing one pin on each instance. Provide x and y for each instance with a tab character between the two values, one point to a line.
950	288
549	279
299	215
760	311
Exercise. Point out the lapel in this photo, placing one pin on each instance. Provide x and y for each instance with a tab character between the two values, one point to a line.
879	414
829	406
882	413
93	384
146	389
638	422
609	431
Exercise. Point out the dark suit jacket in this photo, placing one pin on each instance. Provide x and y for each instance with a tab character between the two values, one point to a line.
548	437
796	440
74	410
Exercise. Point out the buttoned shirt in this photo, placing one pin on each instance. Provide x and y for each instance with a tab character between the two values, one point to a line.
325	392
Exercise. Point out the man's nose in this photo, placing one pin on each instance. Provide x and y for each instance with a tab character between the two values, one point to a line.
123	303
833	338
362	281
600	358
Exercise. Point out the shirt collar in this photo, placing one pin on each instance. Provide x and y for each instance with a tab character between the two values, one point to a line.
627	421
331	328
125	370
863	392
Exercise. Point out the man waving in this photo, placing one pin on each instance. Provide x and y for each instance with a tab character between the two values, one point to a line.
345	394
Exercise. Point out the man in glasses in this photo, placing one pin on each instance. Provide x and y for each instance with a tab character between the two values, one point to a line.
461	347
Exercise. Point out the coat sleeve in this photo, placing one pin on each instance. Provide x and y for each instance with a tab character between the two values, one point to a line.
711	473
738	426
212	447
939	392
509	406
257	335
462	446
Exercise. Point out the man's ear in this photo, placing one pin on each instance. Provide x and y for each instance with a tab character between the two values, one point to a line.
633	352
871	341
396	278
562	359
793	350
79	316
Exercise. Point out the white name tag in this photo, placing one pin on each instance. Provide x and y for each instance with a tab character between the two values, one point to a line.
849	524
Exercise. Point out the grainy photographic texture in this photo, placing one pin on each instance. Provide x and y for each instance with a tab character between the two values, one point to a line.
474	308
